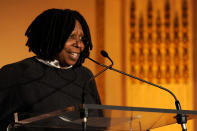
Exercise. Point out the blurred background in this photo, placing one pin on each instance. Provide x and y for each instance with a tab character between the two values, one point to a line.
151	39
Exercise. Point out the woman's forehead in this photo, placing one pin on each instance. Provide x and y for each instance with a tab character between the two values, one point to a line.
78	28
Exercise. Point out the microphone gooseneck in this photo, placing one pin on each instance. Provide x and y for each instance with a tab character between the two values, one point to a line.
181	118
103	53
84	112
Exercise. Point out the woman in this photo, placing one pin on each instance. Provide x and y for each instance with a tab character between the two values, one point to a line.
54	78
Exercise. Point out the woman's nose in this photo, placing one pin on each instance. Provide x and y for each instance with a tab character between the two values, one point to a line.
79	44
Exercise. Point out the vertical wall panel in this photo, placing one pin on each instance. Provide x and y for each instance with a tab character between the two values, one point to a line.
174	68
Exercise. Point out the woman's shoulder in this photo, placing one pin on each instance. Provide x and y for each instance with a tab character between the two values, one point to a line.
22	64
18	71
15	67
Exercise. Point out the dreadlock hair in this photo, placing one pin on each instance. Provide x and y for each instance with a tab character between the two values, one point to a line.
50	30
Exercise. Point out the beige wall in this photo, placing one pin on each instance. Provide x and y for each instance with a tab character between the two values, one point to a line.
136	95
16	15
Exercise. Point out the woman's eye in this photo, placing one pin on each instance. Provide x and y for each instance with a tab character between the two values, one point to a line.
81	38
71	36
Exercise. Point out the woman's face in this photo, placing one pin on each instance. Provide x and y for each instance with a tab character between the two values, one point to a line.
72	47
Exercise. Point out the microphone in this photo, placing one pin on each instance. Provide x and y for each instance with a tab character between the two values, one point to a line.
104	54
84	113
181	118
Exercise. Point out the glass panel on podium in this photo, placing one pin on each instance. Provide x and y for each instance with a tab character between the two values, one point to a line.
100	118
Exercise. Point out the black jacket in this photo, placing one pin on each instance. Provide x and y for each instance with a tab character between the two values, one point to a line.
33	87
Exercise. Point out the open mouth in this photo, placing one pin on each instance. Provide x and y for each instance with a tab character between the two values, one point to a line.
74	54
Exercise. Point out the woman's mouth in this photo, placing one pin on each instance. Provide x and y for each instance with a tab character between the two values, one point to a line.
74	55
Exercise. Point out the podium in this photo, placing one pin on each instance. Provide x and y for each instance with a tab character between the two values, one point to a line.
99	118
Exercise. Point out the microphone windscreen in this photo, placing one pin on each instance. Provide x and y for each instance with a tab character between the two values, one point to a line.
104	53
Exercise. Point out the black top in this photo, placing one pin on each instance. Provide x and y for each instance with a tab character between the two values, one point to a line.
34	87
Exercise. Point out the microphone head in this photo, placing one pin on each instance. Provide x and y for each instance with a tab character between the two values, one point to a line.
104	53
